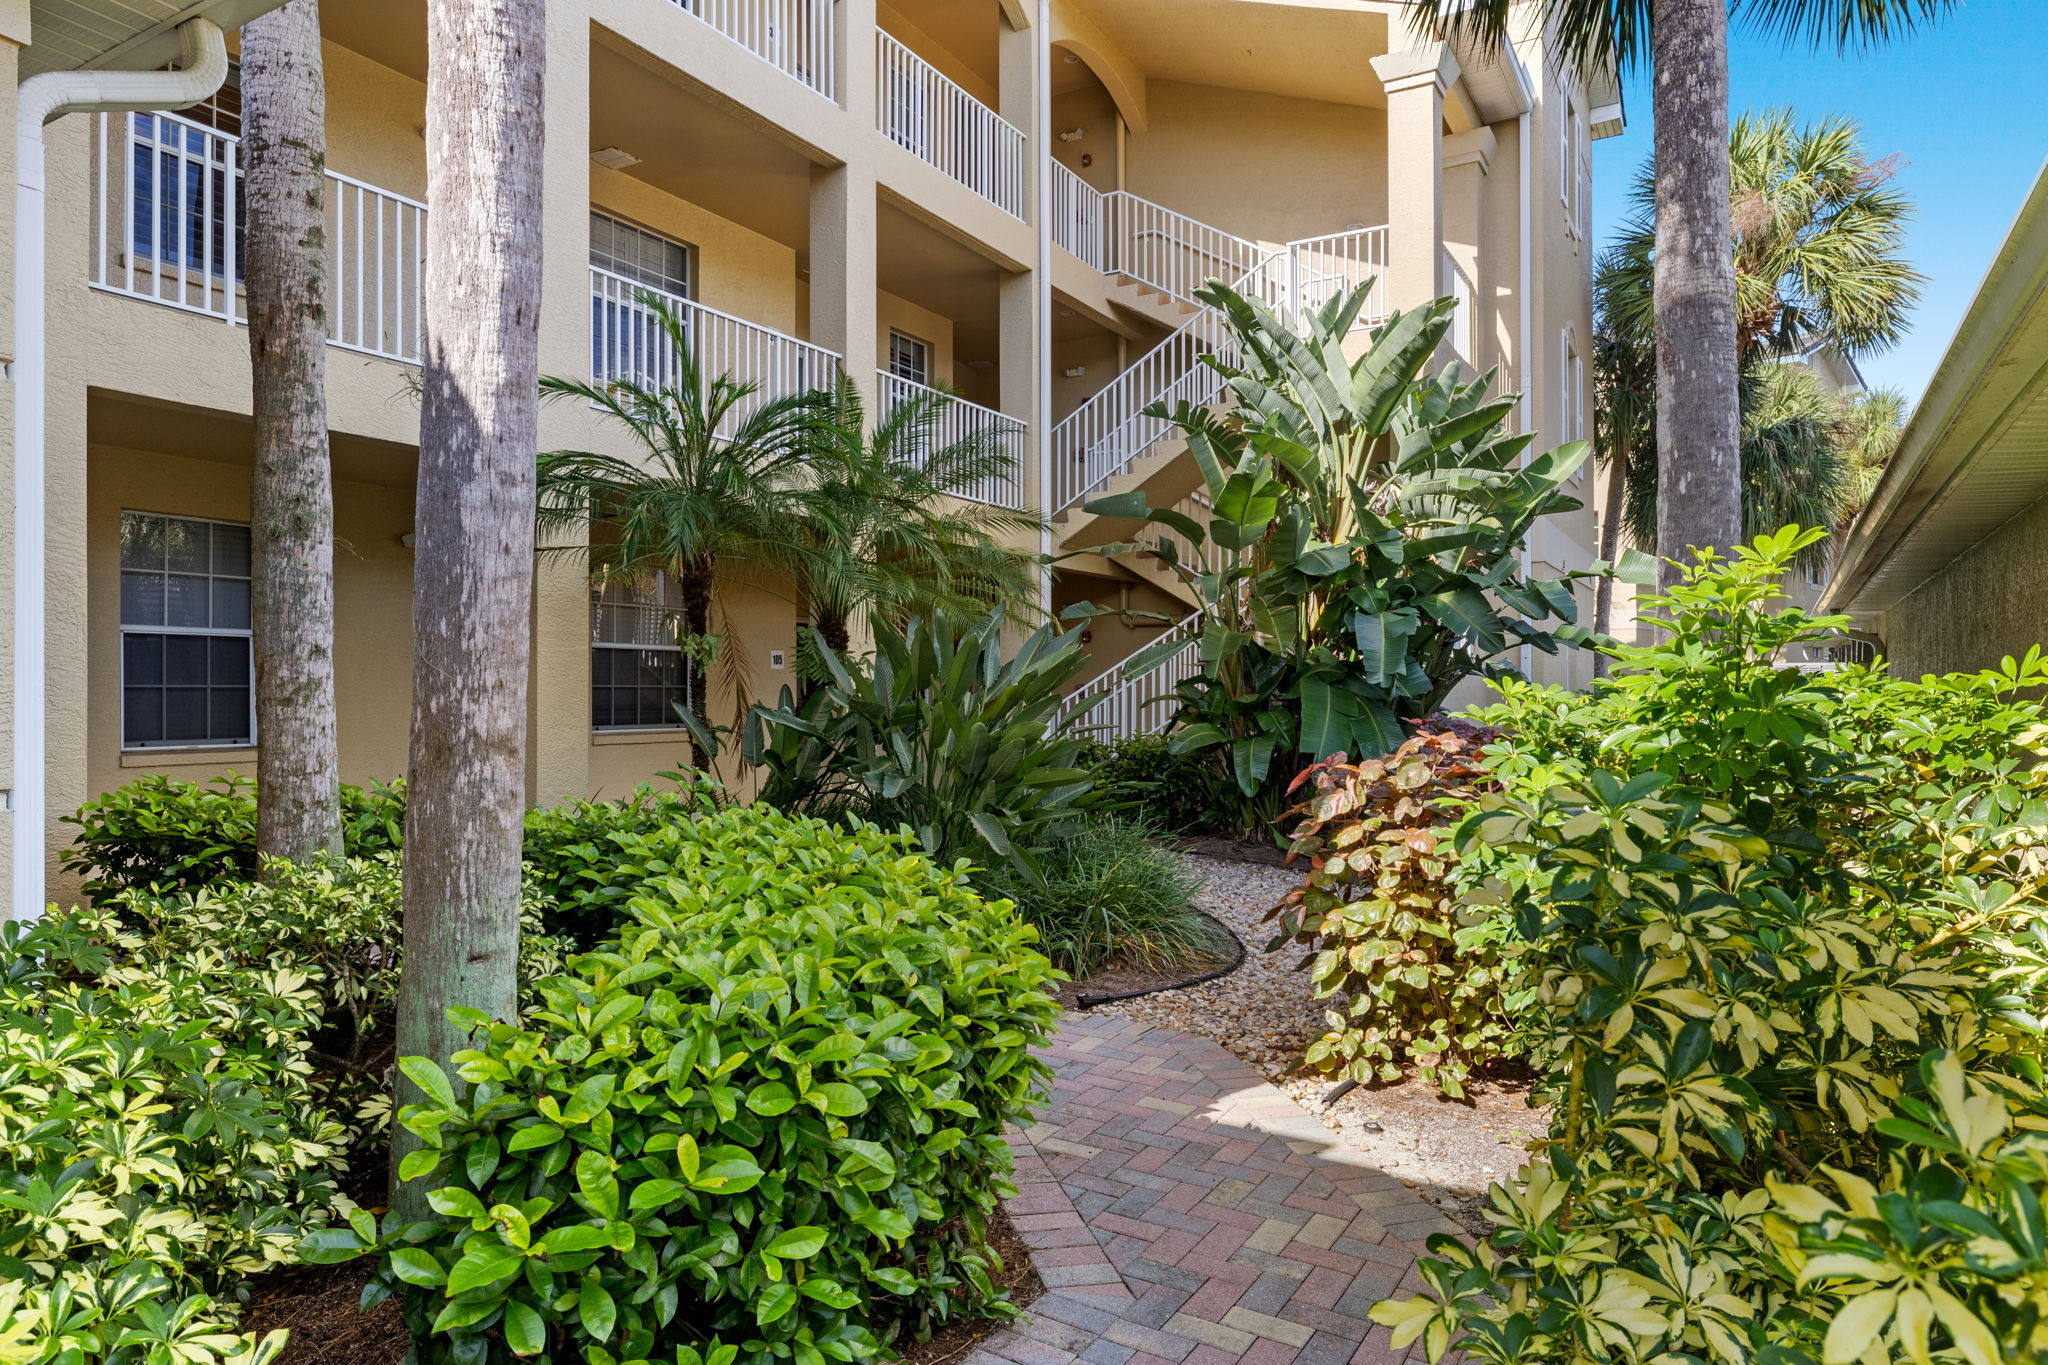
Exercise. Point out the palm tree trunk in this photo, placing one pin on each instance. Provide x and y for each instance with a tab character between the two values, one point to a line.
1699	464
291	496
473	568
694	582
1610	547
834	630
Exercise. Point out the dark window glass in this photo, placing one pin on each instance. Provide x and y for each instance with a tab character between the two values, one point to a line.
186	672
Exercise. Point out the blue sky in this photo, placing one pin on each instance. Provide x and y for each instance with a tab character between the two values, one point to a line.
1957	103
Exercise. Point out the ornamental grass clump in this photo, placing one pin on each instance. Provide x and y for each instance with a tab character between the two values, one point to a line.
1781	1013
763	1122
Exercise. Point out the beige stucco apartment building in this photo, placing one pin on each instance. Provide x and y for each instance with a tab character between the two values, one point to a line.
1012	198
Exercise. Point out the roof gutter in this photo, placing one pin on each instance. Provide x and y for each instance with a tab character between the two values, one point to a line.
203	63
1915	477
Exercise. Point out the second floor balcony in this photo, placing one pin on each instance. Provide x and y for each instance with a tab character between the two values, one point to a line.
167	225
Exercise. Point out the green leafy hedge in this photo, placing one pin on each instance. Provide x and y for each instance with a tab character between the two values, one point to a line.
768	1113
1176	792
161	836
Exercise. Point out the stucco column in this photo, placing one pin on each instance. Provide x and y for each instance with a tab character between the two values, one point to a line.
843	316
1024	367
76	731
854	39
14	35
1468	157
558	685
1416	81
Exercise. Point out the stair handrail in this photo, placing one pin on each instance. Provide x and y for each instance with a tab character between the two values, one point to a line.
1110	432
1128	698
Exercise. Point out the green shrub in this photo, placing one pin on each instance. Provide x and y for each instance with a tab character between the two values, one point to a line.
1112	895
1176	792
337	923
159	1140
1416	975
576	859
1797	1106
165	832
765	1119
163	836
941	732
1365	548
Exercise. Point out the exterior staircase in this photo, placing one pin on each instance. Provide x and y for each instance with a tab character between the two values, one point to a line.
1158	258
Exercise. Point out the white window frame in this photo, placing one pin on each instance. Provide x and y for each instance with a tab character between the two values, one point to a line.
247	635
686	665
926	352
620	221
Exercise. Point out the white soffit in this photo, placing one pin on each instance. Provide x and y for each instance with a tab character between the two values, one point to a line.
122	35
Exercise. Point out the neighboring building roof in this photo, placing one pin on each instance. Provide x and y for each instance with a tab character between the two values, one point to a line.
132	35
1975	453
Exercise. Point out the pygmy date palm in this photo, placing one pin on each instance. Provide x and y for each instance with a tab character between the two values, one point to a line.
1685	42
717	480
911	515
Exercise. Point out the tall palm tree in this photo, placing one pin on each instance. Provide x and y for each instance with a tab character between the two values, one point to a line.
473	561
894	538
1820	228
720	480
291	494
1685	44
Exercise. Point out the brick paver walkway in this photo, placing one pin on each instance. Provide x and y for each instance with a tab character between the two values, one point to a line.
1183	1210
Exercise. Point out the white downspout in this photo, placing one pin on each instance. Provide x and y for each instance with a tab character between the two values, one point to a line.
1042	417
203	67
1528	361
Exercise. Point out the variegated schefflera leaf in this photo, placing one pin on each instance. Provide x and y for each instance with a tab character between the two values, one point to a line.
1785	1010
160	1140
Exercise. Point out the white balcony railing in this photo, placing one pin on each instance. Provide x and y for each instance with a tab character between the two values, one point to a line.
1078	217
1115	705
796	37
925	112
629	344
1110	432
958	421
167	227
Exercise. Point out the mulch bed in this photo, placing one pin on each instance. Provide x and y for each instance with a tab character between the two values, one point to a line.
317	1305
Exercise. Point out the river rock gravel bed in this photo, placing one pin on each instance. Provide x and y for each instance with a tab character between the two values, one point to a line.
1266	1012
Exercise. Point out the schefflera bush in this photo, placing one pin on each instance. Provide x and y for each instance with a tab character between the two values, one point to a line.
1795	1075
762	1123
160	1140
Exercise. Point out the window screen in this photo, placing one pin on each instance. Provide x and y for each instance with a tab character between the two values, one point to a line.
910	358
646	258
187	676
638	673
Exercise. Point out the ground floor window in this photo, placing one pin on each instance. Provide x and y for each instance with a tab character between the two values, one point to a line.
187	675
639	674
